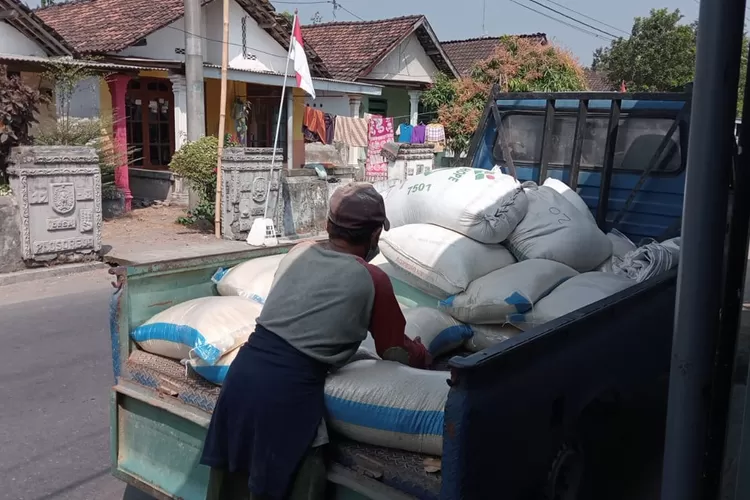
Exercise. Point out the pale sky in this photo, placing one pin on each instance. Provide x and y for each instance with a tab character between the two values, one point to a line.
463	18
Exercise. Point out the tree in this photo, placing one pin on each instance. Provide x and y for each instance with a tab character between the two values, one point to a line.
659	55
517	65
288	15
19	105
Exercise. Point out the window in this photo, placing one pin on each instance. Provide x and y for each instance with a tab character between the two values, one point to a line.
150	123
377	107
638	138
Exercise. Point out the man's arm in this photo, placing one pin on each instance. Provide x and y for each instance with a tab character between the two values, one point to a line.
387	325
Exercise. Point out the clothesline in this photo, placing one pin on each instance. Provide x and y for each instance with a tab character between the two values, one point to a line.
426	113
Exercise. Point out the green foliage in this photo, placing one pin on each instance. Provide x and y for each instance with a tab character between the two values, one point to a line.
66	77
19	105
5	190
196	163
288	15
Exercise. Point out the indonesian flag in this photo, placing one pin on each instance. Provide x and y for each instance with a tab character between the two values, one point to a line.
297	52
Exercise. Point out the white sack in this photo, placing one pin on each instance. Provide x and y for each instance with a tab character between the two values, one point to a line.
488	335
621	245
252	279
480	204
554	229
575	293
497	297
218	372
570	195
384	403
438	331
407	295
439	261
649	260
207	328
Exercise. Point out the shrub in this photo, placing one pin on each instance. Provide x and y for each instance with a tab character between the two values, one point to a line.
19	104
196	163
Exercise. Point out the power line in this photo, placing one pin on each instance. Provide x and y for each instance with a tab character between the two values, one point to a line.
537	2
588	17
577	28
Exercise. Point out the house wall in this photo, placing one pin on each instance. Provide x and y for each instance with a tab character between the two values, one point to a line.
264	53
165	43
13	41
85	101
407	62
335	103
47	115
213	96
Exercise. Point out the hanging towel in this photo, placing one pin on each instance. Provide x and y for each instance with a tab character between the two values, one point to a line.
315	122
330	121
351	131
379	132
417	134
435	133
390	150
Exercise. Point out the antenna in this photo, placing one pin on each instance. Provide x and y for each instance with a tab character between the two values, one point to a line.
484	15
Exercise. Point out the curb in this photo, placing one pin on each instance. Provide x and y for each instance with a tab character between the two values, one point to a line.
50	272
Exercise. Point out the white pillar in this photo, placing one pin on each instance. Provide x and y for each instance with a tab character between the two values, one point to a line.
414	96
290	128
179	91
355	102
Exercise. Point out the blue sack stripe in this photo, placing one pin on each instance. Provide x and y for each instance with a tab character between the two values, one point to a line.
219	274
447	302
448	338
520	302
429	422
179	334
215	374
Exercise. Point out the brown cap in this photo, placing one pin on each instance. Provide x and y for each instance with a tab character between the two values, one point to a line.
357	205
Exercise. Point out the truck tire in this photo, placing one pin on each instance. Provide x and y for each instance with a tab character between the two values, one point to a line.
568	477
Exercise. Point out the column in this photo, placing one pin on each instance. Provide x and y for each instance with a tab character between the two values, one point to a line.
289	129
355	103
118	87
179	194
414	96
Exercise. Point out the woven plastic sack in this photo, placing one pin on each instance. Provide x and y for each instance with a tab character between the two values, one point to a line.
252	279
496	298
554	229
570	195
480	204
215	373
621	246
407	295
205	328
575	293
439	261
388	404
485	336
438	331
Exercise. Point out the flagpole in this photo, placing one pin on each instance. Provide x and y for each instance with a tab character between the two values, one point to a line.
222	118
278	121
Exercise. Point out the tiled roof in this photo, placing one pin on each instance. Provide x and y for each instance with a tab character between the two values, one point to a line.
29	24
100	26
464	54
350	50
598	81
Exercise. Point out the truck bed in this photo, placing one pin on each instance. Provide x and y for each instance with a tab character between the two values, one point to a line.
401	470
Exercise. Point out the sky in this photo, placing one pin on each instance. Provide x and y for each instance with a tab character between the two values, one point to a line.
461	19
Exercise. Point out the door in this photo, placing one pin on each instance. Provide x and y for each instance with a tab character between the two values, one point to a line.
150	122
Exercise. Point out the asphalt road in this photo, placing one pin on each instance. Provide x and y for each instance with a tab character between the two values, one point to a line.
55	376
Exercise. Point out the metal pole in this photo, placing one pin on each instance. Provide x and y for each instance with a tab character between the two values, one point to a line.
700	284
196	113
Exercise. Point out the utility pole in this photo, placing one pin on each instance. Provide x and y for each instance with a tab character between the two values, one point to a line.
196	112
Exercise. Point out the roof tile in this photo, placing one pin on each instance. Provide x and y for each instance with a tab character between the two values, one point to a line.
598	81
465	54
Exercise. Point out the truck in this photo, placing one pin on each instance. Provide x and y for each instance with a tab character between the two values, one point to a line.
543	415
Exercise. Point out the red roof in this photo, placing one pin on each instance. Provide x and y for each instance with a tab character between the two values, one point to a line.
464	54
598	81
351	49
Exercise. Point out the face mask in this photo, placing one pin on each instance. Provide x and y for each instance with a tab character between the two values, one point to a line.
372	253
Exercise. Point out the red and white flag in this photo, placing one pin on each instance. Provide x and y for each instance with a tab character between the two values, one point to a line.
297	52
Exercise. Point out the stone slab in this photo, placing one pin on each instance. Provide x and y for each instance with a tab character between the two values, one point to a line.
49	272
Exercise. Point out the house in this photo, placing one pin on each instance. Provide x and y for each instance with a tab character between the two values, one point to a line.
598	81
402	55
150	35
465	54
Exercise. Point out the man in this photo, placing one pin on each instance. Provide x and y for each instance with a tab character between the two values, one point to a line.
267	428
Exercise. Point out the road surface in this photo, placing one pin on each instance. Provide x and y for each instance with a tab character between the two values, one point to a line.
55	375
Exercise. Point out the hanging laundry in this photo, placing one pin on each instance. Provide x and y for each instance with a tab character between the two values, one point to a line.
404	133
314	121
435	133
418	133
380	131
330	121
390	150
351	131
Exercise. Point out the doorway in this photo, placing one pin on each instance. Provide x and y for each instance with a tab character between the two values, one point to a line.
149	109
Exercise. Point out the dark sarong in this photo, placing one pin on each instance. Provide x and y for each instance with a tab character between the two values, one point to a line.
267	414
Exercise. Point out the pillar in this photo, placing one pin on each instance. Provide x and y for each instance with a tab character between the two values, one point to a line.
414	96
355	103
180	193
118	87
298	139
289	97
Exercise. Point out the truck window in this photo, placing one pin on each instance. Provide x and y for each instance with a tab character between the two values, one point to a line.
524	132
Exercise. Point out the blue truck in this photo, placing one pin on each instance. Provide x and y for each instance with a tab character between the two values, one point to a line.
539	416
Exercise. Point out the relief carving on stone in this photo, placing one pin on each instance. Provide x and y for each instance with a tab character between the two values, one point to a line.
86	216
260	186
61	223
63	197
84	189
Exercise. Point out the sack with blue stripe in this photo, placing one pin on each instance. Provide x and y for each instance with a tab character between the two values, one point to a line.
506	295
204	328
252	279
384	403
215	373
437	330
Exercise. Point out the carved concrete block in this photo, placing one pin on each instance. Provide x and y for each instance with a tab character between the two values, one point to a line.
246	175
59	193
